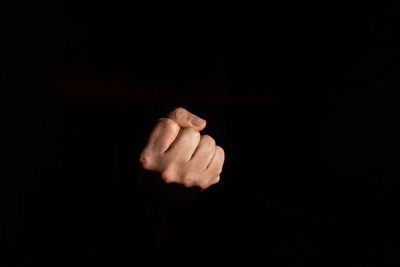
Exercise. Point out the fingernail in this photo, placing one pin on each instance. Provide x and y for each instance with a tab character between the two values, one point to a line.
196	121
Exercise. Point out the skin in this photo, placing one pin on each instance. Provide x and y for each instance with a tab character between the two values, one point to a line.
180	154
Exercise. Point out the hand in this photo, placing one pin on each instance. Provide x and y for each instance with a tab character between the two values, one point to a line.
177	151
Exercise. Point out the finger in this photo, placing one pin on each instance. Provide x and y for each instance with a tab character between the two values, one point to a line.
211	182
163	135
217	162
204	152
160	139
182	149
215	181
185	118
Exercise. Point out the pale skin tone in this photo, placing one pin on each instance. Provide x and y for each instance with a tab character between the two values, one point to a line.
180	154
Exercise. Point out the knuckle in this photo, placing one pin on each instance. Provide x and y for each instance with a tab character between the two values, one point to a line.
208	140
215	181
215	172
193	133
220	149
209	183
168	123
145	161
179	113
168	175
196	134
218	168
221	152
203	186
187	180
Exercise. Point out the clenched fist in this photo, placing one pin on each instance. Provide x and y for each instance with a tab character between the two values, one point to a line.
178	152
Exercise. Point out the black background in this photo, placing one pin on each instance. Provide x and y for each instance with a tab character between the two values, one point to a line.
301	96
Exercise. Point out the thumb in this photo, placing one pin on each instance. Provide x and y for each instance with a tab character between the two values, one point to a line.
185	118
